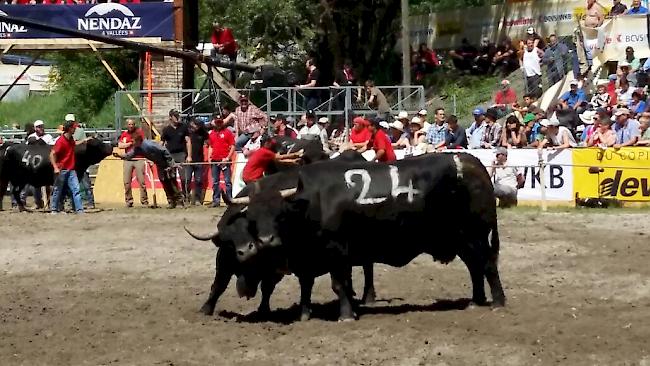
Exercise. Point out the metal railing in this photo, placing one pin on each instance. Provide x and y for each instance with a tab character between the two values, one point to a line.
104	134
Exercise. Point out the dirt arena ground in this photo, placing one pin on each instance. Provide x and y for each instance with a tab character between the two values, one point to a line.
123	288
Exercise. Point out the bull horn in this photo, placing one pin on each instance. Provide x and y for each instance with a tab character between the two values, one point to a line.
202	237
240	201
288	192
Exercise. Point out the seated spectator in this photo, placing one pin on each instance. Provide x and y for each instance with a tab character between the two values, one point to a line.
611	88
618	8
247	117
426	60
624	94
383	150
556	136
591	122
416	138
254	143
601	99
483	60
573	99
636	8
423	116
438	131
224	43
337	138
396	133
513	135
360	136
527	107
281	127
477	129
463	57
532	129
637	104
492	134
504	98
644	123
323	124
310	131
603	136
455	137
627	129
505	60
595	15
507	179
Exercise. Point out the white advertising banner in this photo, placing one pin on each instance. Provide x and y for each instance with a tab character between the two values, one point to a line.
37	77
609	41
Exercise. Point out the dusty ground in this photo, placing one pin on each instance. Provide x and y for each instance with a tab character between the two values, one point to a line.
123	287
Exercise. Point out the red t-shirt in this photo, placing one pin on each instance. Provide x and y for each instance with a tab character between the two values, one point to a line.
64	152
225	38
508	97
381	143
360	136
220	142
257	164
127	137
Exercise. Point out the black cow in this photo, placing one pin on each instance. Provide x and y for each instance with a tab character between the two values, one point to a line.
227	264
345	213
23	164
312	152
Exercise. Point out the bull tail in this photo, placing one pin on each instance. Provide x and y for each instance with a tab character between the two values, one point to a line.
494	241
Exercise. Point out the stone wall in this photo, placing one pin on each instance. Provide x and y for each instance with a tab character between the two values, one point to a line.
167	74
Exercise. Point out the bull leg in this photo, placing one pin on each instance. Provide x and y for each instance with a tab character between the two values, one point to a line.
3	189
268	285
368	285
475	265
492	276
223	271
306	286
341	285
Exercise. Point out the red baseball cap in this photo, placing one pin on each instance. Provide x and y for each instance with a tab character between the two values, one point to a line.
360	120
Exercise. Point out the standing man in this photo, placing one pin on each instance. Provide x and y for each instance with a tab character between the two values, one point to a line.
247	118
63	160
531	64
176	138
595	14
39	133
223	43
618	8
221	146
126	143
312	99
164	164
198	137
85	186
377	100
438	132
555	57
380	143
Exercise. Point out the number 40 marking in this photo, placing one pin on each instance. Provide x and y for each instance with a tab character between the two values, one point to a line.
34	161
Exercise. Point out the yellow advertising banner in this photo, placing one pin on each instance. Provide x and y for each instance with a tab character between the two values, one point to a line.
623	174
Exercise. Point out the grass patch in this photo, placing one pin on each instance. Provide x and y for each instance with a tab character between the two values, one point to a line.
51	108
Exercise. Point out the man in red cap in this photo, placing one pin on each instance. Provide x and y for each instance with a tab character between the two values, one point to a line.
360	135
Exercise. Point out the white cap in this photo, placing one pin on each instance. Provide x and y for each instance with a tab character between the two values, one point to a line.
398	125
422	112
574	82
38	122
549	122
323	120
402	115
530	30
384	124
623	63
70	117
417	121
622	111
588	117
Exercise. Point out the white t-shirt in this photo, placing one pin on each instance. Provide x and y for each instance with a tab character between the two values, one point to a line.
506	175
532	64
557	139
314	130
624	97
48	139
253	144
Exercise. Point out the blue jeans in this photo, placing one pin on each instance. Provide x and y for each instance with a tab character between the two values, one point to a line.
66	179
241	140
216	188
87	189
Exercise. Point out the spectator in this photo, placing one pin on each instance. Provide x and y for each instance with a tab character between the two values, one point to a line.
383	150
633	61
533	129
636	8
426	60
504	98
527	107
595	14
437	134
224	43
627	129
618	8
312	96
79	132
538	41
591	121
345	77
63	162
556	136
323	124
377	100
492	134
477	129
282	128
611	89
644	122
247	118
198	137
39	133
403	117
603	136
455	137
464	56
260	160
416	137
555	57
574	98
165	165
126	143
253	144
221	146
601	99
396	133
337	138
507	179
310	131
176	139
637	104
422	114
624	93
513	135
483	61
532	68
505	60
227	116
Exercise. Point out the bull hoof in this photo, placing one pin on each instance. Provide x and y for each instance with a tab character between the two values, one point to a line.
305	315
347	318
369	298
207	309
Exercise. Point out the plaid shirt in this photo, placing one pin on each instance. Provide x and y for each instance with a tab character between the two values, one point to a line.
492	134
253	117
437	134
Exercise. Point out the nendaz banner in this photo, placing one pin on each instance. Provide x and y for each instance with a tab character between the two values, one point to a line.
108	19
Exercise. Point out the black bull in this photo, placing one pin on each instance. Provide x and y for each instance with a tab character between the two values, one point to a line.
227	264
347	213
22	164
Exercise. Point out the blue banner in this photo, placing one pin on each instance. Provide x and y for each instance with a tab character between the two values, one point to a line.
108	19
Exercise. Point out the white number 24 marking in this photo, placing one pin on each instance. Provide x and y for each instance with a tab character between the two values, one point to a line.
366	180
